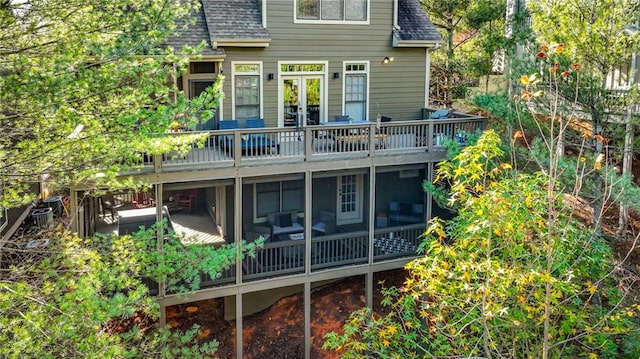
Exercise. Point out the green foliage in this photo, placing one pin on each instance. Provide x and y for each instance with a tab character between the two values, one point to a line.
499	106
473	32
77	101
593	32
513	275
86	298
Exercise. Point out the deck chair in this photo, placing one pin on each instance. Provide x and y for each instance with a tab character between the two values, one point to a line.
110	203
257	143
226	141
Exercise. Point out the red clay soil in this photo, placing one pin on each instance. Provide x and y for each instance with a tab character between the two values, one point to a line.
278	331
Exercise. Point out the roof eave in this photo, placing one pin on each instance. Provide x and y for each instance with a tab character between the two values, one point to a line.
416	43
241	42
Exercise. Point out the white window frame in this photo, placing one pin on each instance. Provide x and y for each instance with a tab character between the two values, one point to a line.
346	73
324	94
320	21
259	73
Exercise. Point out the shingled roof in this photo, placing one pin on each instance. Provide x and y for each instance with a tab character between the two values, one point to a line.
193	35
235	21
415	27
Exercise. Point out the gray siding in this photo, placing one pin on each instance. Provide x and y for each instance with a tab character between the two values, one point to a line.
396	89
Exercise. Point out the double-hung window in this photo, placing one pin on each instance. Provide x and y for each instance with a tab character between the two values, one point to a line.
246	88
356	11
356	90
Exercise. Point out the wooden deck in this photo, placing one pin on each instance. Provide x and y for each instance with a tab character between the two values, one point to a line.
318	143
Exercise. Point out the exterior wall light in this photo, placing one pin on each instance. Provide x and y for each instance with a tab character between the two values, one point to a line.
387	60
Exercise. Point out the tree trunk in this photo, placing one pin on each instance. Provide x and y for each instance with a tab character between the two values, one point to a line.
627	163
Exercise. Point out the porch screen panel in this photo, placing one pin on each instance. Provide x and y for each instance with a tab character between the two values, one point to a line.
293	196
267	198
355	96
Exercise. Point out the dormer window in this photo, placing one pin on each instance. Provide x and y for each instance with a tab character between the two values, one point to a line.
336	11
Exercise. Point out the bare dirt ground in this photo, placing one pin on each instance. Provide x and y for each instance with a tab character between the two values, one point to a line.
278	331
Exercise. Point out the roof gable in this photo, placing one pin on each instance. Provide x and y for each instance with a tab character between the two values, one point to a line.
415	27
193	34
234	21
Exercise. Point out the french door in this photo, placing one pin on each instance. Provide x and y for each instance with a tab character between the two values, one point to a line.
349	201
302	99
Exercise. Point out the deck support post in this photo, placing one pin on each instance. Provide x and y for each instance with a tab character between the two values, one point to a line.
307	319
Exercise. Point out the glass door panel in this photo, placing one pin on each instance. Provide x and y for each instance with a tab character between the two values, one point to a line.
312	100
349	209
302	100
291	87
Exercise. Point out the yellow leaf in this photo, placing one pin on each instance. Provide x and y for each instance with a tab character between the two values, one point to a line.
391	329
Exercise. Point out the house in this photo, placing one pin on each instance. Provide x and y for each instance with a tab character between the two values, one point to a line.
321	146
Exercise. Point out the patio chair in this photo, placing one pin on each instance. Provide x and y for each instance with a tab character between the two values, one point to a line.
186	200
254	143
110	203
142	200
226	141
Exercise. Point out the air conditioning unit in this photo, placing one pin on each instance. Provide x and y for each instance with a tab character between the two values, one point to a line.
42	217
55	203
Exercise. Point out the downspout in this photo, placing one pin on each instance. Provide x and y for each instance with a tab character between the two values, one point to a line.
264	13
427	76
395	15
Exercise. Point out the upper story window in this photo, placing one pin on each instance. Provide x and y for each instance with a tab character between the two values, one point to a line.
247	89
337	11
355	92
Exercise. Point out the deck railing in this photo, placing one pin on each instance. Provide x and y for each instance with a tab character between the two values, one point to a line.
236	148
331	251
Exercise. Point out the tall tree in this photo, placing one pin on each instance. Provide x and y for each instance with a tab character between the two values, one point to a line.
593	34
84	93
473	32
84	89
